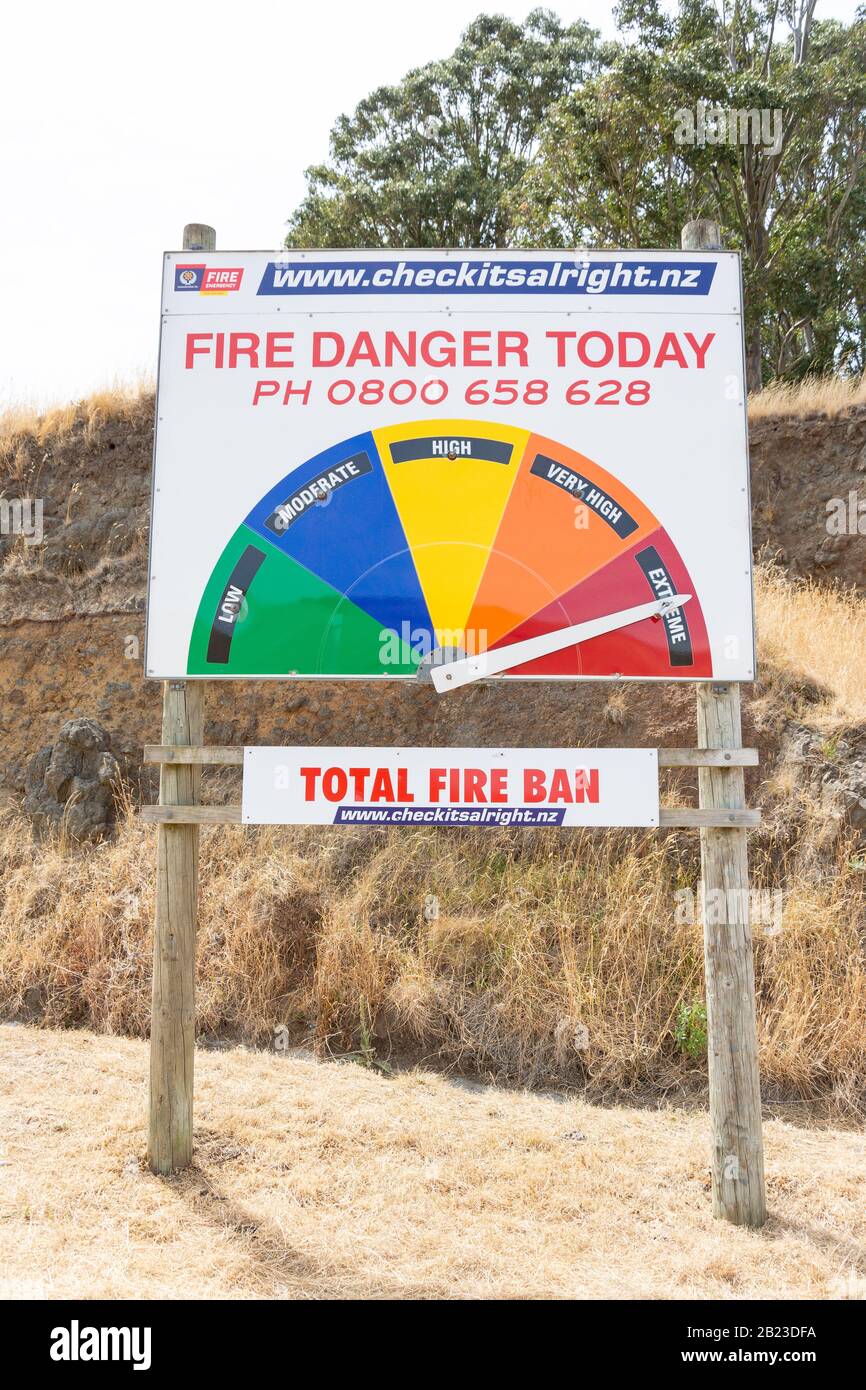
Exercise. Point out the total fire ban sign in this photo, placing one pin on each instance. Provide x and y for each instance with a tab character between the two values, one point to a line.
381	464
463	787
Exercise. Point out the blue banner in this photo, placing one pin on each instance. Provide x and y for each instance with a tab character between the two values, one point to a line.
489	277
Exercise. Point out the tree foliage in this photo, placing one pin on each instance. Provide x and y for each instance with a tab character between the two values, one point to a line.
540	134
431	162
613	168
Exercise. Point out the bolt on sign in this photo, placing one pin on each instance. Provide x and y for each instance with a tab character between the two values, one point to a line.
451	465
483	788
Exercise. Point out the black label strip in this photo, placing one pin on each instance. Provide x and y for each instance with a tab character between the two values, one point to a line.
593	497
223	627
316	491
676	627
451	447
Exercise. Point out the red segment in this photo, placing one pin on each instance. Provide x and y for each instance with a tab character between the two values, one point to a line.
676	647
550	619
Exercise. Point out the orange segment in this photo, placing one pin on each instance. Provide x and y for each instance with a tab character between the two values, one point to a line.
565	518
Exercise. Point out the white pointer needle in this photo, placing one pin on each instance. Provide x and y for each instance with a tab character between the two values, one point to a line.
452	674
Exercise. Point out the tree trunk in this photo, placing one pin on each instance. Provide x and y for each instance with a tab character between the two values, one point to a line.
754	379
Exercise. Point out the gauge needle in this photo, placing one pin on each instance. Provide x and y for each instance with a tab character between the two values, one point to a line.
452	674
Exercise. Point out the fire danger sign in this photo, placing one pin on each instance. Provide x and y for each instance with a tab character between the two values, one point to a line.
372	465
469	787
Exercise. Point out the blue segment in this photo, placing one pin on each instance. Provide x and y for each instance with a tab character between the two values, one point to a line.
335	515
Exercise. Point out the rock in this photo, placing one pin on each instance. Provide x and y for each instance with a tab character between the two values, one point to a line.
835	773
72	782
850	796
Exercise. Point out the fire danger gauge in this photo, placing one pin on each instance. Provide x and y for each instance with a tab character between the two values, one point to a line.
439	540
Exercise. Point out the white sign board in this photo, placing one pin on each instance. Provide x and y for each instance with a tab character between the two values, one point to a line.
368	463
465	787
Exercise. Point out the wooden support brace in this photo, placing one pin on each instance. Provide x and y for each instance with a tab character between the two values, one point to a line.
732	1048
172	1034
172	1024
191	815
215	756
668	757
670	817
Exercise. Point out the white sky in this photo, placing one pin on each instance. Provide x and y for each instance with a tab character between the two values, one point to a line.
120	123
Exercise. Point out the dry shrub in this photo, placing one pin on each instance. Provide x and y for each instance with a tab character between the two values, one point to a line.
461	945
811	981
812	631
814	395
22	561
23	428
555	958
75	928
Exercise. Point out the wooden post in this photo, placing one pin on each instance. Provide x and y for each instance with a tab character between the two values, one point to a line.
172	1026
732	1048
198	236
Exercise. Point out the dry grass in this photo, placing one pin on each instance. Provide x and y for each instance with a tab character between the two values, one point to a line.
555	959
817	632
314	1180
546	958
23	427
549	959
823	395
828	395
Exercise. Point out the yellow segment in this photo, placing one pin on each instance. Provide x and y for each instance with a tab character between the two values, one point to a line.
451	509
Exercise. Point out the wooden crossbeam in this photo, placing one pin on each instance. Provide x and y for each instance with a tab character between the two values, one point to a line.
670	817
668	757
708	757
691	817
162	753
192	815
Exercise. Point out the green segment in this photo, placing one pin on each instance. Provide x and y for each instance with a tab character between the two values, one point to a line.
291	622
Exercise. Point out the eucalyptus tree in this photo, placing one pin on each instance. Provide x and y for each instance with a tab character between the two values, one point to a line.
432	160
751	114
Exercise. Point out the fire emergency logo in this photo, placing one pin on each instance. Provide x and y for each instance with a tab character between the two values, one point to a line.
208	279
